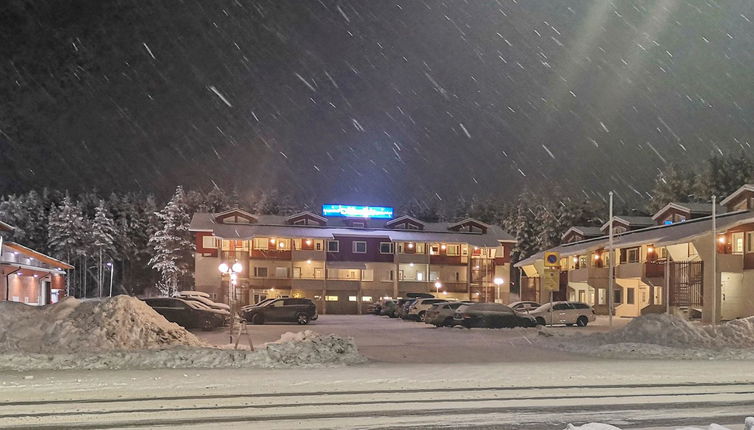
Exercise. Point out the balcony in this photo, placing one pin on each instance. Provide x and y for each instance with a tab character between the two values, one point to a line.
413	258
308	283
730	262
343	284
596	277
270	254
303	255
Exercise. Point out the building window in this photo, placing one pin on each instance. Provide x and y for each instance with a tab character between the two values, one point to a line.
583	261
358	224
260	272
301	221
750	241
318	245
453	250
367	275
359	247
386	247
738	243
433	276
351	298
617	296
630	296
632	255
210	242
281	272
261	243
333	246
366	298
601	297
331	298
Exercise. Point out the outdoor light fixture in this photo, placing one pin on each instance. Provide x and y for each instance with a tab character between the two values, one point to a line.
309	261
438	284
272	240
443	246
596	256
721	239
223	267
237	267
410	245
575	259
650	250
498	282
281	244
308	241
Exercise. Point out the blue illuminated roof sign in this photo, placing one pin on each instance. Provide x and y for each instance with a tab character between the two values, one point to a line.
351	211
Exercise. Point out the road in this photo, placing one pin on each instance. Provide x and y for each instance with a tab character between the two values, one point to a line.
630	394
382	339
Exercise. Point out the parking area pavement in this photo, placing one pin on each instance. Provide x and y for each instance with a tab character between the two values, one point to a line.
398	341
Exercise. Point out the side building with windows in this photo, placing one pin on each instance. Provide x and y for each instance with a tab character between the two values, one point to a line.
342	263
678	265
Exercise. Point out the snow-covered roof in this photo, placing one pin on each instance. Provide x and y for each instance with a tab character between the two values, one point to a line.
745	187
660	235
276	226
404	218
306	213
54	263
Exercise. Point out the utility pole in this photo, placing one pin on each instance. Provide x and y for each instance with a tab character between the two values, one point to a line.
714	260
610	292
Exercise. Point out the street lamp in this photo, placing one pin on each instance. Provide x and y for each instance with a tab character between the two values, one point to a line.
232	271
498	282
438	284
112	269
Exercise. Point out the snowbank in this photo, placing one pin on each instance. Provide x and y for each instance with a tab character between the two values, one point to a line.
666	336
73	326
124	332
293	350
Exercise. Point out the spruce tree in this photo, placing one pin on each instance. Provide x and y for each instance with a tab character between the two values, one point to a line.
171	244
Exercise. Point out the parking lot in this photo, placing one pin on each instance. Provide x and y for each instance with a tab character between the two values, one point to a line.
394	340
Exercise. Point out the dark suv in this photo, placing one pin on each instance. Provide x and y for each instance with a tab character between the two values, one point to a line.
187	313
282	310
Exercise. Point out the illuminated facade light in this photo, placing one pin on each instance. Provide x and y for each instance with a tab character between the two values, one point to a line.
721	239
410	246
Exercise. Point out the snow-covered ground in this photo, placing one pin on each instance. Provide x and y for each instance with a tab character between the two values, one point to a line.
630	394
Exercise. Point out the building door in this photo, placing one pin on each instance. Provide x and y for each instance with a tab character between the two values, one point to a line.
734	301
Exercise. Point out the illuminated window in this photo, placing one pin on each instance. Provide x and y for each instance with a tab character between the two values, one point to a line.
331	298
366	298
210	242
453	250
750	241
351	298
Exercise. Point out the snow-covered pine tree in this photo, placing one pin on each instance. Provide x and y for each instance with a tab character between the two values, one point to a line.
171	244
103	236
66	235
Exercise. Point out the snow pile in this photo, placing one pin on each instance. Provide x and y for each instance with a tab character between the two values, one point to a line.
74	326
307	349
303	348
667	336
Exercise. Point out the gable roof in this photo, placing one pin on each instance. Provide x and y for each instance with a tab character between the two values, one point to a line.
631	221
586	231
691	208
306	213
741	189
465	221
236	211
403	218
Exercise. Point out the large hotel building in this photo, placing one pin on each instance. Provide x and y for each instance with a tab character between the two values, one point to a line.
343	262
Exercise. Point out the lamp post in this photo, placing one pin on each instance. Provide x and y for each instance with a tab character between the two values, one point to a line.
438	284
112	269
498	282
232	271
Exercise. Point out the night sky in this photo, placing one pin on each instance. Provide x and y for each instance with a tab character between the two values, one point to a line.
370	101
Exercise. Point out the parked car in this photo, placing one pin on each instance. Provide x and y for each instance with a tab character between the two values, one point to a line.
208	302
568	313
441	314
187	313
389	307
403	309
419	308
491	315
374	308
524	306
282	310
191	293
